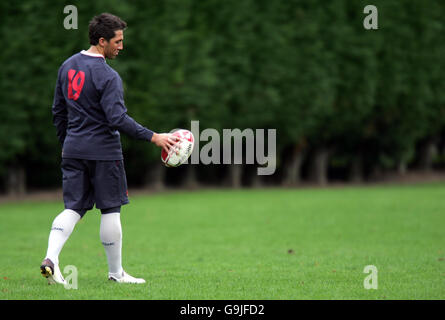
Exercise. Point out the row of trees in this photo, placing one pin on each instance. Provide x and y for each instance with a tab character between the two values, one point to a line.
346	102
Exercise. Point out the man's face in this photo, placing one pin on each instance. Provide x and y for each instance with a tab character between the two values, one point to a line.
112	47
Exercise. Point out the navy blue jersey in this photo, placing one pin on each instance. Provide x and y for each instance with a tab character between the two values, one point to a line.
89	111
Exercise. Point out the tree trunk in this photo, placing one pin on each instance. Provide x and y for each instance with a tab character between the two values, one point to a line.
356	174
401	167
257	180
234	175
16	183
427	152
376	173
292	168
155	176
319	168
191	180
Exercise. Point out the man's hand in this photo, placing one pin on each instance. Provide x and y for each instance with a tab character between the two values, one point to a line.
165	140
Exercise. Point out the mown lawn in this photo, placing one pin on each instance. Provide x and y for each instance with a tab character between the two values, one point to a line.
243	244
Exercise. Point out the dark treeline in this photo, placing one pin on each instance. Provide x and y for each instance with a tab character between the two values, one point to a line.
348	103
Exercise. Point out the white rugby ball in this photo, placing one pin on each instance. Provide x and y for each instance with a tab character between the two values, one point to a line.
184	147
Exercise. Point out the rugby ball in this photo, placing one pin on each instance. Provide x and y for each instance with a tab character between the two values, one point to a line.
182	150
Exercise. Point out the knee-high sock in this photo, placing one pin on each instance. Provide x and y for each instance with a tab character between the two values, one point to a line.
61	230
111	237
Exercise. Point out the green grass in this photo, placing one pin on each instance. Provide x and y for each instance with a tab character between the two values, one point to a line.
243	244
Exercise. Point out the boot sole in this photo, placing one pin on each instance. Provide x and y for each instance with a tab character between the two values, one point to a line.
46	271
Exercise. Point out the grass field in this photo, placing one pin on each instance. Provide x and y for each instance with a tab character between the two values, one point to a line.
243	244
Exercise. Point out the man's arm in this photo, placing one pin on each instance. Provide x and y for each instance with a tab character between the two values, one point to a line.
112	103
60	114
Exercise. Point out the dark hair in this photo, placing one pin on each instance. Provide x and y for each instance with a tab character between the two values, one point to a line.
104	25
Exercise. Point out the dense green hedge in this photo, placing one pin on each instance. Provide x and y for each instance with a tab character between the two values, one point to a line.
307	68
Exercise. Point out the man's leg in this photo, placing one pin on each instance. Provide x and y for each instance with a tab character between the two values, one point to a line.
111	237
62	227
110	194
77	193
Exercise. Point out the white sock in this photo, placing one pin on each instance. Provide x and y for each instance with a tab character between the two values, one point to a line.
111	237
61	230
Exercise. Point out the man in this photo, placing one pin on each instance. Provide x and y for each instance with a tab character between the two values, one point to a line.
89	114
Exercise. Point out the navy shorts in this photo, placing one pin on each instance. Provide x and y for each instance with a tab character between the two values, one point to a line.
89	182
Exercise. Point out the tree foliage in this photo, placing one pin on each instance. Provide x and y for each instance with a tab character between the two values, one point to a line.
307	68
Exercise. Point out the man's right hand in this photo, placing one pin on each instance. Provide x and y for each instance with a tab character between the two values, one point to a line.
165	140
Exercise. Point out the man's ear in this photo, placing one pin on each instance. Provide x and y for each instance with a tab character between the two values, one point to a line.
102	41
